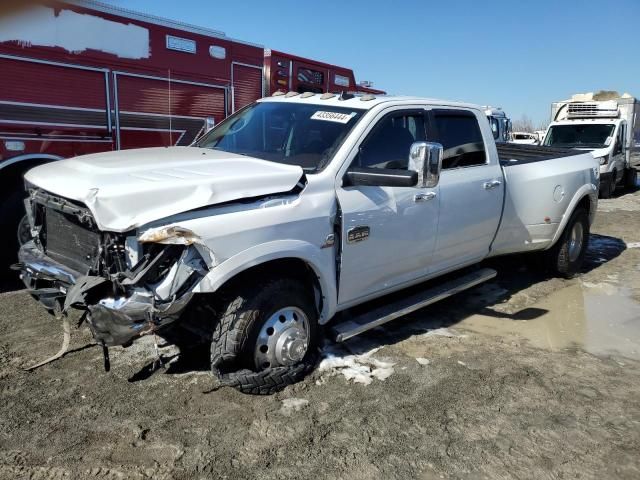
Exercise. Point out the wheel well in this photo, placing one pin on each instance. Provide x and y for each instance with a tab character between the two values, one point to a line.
295	268
584	203
11	175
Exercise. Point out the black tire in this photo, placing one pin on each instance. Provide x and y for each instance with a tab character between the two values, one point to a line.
240	320
608	187
11	212
630	178
559	258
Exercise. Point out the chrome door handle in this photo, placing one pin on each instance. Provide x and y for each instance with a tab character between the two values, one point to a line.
492	184
423	197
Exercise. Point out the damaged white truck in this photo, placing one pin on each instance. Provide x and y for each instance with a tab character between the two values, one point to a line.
287	216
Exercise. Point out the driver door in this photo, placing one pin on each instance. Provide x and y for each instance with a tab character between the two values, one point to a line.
388	233
619	153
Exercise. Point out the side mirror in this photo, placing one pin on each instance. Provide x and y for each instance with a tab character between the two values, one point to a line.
426	159
209	123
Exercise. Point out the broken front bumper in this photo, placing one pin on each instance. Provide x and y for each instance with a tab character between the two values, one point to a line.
45	279
113	319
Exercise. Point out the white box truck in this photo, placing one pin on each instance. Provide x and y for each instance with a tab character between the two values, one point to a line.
606	123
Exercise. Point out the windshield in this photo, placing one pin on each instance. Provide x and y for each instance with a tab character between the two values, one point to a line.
495	126
292	133
579	135
524	136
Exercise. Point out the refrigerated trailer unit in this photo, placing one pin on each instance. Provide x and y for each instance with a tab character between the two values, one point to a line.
84	77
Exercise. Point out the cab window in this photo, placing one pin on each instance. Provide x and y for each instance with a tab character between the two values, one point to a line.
388	144
459	133
620	139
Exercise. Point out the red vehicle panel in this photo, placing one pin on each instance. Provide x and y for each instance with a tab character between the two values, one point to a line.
151	78
83	78
156	111
247	84
290	72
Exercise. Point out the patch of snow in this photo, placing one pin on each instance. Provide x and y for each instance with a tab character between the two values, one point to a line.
423	361
292	405
462	363
360	368
633	245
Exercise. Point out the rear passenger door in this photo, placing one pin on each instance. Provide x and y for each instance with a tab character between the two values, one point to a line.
471	188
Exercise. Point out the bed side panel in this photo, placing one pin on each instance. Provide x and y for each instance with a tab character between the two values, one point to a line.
539	196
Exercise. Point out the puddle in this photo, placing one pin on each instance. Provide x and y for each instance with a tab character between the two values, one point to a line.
596	317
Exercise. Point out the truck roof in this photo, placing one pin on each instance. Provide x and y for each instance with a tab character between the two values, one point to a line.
154	19
361	102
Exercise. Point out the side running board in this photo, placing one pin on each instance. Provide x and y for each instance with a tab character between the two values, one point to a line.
385	313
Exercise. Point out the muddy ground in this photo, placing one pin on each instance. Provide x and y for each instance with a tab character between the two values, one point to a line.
524	377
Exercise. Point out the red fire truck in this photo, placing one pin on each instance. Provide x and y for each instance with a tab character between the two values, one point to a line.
82	77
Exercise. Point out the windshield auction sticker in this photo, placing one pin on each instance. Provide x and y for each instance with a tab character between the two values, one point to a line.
333	116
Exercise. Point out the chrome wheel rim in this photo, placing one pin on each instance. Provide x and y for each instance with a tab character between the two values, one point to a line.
283	339
575	241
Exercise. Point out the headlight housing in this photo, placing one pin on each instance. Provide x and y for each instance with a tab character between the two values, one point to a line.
603	160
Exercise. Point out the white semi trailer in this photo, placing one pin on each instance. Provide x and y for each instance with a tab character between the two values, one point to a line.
608	124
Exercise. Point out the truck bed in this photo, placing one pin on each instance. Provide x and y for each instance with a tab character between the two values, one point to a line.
513	154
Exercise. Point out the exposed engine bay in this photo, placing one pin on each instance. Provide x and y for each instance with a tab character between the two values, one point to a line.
127	285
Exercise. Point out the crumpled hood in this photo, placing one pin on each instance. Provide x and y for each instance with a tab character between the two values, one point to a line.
130	188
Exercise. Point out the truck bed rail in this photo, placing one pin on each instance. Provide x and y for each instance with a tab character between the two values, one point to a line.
514	154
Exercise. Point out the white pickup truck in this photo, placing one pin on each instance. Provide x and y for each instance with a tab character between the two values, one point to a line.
288	214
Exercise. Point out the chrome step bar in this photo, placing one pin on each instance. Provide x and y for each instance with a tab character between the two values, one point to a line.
383	314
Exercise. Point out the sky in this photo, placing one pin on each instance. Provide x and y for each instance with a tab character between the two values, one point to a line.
517	55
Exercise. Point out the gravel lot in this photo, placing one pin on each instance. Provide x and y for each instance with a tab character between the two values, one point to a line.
523	377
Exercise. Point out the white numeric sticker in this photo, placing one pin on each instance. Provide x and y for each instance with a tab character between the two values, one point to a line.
333	116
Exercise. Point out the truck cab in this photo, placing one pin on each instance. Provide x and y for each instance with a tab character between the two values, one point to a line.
606	127
500	124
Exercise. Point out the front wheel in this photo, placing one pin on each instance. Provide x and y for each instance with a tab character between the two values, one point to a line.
265	337
631	178
565	258
608	187
11	214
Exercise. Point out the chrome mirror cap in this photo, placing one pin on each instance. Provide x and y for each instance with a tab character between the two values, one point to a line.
426	159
